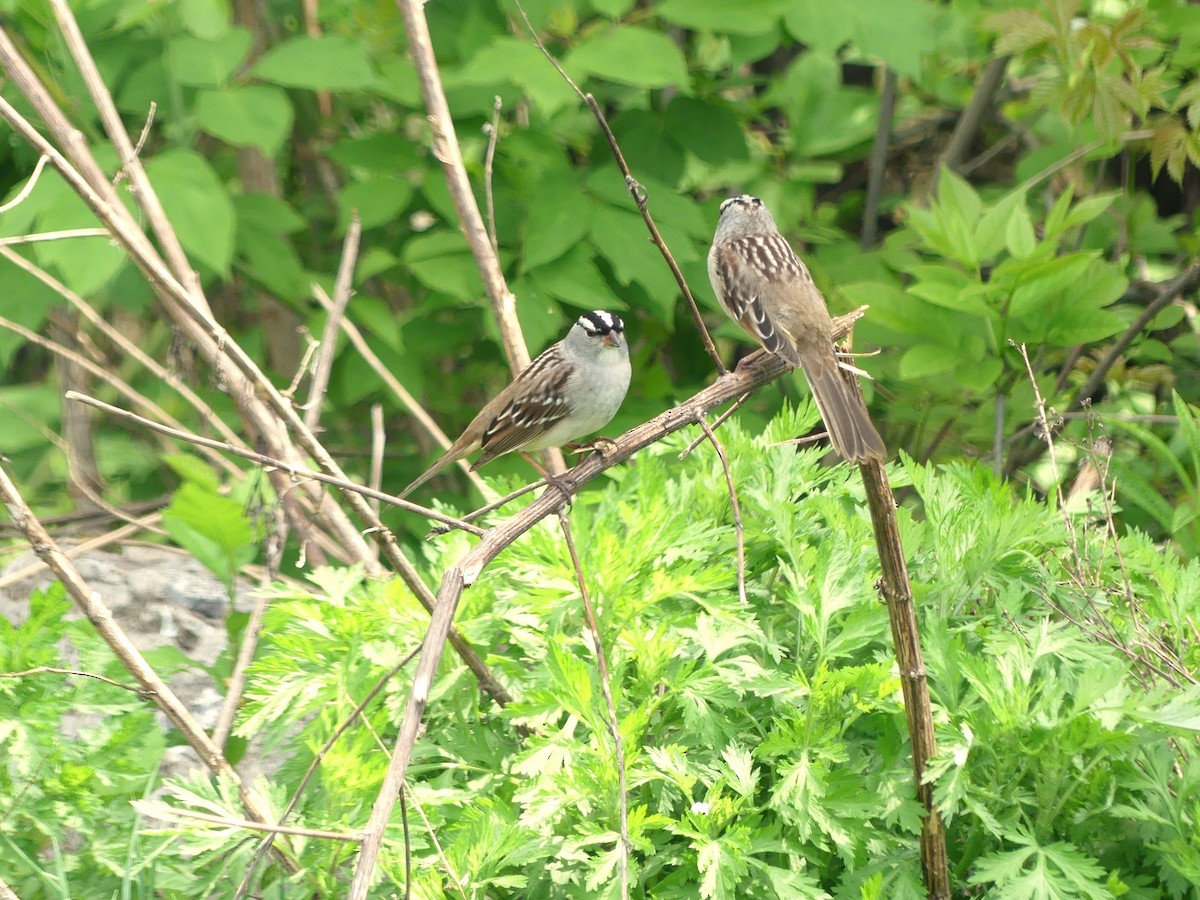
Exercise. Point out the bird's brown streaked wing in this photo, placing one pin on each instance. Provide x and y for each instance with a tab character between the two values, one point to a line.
522	419
743	301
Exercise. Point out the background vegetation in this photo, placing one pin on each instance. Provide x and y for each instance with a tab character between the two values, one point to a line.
766	749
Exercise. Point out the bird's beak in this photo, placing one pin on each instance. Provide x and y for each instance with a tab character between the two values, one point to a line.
612	339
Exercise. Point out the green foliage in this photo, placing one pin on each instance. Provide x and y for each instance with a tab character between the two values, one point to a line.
77	751
212	527
765	745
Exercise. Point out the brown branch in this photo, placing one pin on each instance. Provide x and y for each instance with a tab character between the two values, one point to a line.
973	115
50	670
446	149
247	879
896	589
130	348
143	191
93	607
337	311
877	165
169	813
493	133
107	377
270	416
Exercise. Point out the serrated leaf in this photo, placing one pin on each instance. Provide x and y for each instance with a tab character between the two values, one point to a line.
1019	30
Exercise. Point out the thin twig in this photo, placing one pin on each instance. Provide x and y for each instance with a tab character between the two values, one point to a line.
50	670
271	418
129	347
739	532
294	472
1168	292
169	813
44	236
106	376
493	133
141	141
877	165
341	296
1187	280
143	191
640	197
27	189
614	722
717	423
378	444
446	149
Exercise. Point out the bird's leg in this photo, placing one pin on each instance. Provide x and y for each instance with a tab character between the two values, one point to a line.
553	480
600	444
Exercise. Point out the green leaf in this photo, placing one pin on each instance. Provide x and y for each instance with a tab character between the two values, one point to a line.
751	16
622	239
925	360
956	195
1019	236
630	55
442	260
899	32
207	63
992	231
1089	208
85	264
255	115
378	200
713	133
330	63
207	19
560	217
197	204
212	528
522	64
193	470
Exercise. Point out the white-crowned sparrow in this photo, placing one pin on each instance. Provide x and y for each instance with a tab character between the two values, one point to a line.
573	389
766	289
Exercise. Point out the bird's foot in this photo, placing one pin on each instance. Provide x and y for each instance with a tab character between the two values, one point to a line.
606	447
